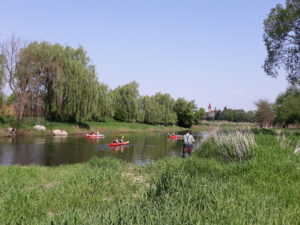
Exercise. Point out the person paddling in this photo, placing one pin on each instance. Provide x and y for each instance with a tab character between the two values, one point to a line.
116	140
188	141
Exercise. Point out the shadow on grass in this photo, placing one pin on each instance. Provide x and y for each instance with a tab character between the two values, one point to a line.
82	125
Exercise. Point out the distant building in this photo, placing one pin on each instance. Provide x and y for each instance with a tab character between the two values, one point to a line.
210	113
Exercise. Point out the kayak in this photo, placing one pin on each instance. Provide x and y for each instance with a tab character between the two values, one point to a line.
118	144
94	135
175	136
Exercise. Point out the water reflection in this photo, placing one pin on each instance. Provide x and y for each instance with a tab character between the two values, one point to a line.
52	151
119	148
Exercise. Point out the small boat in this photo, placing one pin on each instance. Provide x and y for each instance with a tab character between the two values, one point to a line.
94	135
118	144
175	136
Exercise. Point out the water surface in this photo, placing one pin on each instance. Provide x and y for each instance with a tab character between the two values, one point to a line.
52	151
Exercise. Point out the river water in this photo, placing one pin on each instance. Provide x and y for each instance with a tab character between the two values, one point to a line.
53	151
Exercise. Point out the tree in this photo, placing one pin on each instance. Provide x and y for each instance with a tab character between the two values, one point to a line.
10	54
185	112
1	70
152	111
125	102
199	116
250	116
236	115
157	109
287	107
218	115
282	40
166	107
1	79
265	114
59	81
103	104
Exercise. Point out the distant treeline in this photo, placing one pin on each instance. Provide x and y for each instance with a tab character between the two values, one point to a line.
235	115
60	83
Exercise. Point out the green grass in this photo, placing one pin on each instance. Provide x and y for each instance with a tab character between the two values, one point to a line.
112	126
202	189
39	195
26	127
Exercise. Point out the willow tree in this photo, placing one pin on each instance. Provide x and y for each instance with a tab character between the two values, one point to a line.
125	102
152	111
166	107
103	102
79	86
65	80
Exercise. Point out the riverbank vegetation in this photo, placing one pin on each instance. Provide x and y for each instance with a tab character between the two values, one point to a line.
49	81
26	127
207	188
60	84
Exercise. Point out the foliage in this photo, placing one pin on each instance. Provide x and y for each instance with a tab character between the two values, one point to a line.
10	99
236	144
185	112
103	103
264	113
9	63
199	116
125	102
166	106
60	73
287	107
158	109
60	83
235	115
282	40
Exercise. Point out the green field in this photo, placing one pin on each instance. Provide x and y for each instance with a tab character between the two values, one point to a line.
263	188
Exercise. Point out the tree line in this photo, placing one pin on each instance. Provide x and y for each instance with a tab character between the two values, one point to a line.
235	115
60	83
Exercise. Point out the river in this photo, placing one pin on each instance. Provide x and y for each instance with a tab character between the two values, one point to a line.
53	151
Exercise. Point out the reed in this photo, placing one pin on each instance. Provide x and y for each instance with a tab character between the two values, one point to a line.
232	145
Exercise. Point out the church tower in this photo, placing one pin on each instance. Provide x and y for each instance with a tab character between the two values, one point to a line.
209	108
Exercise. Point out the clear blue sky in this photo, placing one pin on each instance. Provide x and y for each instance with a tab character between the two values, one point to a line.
209	51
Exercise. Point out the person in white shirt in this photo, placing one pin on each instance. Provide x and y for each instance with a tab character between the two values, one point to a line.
188	141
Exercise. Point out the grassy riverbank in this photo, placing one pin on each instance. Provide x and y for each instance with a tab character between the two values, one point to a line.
202	189
26	128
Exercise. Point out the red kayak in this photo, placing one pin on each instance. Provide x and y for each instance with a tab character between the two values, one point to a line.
94	135
175	136
118	144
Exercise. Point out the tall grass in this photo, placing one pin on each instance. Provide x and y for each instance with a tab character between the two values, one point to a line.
198	190
232	145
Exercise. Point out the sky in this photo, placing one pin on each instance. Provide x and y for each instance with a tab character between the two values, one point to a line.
207	51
